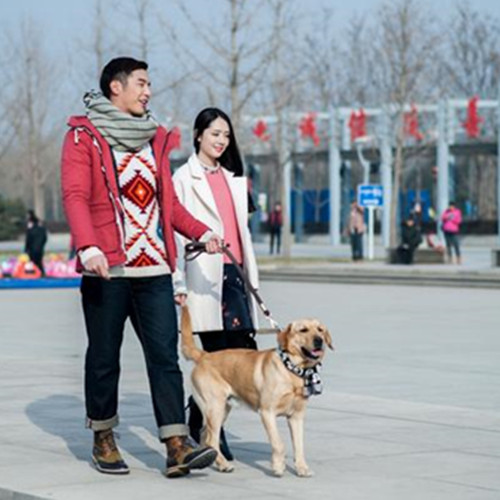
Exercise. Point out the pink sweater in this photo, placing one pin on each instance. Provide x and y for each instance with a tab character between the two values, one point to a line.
451	219
225	207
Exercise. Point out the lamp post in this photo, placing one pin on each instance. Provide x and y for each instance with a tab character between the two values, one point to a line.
334	163
360	143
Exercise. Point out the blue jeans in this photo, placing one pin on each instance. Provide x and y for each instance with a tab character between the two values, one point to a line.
275	238
357	245
452	242
149	304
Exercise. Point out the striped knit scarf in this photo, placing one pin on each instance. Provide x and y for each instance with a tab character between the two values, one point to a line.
122	131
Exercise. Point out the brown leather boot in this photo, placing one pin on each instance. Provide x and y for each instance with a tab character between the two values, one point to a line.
105	454
184	455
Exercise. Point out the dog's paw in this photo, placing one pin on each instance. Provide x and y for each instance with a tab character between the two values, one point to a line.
224	467
278	470
304	471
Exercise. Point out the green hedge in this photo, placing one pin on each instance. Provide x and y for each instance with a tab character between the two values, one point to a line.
12	216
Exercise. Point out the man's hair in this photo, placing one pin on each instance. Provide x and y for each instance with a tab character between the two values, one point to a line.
31	216
119	69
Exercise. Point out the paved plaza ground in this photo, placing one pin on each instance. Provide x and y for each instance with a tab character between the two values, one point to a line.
410	409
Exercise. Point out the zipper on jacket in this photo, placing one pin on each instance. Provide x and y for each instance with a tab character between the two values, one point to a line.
114	201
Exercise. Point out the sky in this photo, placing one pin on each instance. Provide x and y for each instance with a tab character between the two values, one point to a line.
65	23
62	17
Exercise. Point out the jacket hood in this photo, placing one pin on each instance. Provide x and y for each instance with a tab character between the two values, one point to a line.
80	121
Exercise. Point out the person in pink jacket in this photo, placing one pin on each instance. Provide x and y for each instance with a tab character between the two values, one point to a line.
450	223
122	211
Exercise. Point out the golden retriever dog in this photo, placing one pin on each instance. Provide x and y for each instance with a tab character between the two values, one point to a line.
274	382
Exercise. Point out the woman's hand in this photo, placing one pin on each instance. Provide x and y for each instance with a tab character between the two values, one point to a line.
214	244
180	299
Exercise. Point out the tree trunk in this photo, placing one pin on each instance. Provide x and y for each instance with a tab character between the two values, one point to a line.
235	104
38	194
284	167
398	170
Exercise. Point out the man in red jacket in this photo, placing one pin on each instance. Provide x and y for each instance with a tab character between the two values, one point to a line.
122	211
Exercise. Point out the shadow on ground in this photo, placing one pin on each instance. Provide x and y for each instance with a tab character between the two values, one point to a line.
62	415
255	455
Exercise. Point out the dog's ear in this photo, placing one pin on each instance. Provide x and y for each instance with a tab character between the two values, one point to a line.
328	338
283	337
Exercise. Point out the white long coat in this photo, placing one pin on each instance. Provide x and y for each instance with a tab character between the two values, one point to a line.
202	277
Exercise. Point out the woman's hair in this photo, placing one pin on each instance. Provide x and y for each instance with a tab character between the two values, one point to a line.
231	158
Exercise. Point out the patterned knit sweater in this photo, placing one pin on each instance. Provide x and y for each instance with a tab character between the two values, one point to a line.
144	245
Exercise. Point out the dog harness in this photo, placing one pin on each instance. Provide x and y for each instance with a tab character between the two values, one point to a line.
312	381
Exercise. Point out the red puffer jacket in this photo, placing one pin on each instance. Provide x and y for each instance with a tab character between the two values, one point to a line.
92	200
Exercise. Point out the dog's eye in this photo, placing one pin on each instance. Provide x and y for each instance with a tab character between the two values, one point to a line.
304	329
321	329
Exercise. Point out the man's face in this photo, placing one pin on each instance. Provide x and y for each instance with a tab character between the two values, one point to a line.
133	97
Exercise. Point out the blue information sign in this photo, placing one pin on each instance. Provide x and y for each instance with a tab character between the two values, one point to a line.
370	195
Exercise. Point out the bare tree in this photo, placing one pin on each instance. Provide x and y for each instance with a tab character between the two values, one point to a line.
320	54
285	84
355	65
142	11
7	129
8	117
340	69
405	48
472	66
244	59
98	40
472	55
105	40
38	123
94	46
230	58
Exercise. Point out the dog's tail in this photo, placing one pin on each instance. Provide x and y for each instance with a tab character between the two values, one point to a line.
188	345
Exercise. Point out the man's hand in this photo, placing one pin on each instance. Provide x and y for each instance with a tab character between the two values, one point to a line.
214	244
180	299
98	265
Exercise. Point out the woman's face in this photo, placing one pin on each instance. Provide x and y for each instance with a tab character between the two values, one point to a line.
213	141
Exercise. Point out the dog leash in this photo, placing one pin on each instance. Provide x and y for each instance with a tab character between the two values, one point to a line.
194	249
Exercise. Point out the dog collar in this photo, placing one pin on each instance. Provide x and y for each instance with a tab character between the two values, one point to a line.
312	381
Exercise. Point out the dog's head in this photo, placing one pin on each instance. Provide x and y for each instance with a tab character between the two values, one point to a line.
305	339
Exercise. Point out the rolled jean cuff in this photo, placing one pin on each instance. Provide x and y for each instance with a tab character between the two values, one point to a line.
102	425
168	431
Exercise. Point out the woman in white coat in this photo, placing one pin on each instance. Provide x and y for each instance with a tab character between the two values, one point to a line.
212	187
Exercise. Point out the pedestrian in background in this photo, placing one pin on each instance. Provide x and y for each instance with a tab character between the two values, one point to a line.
411	238
275	226
450	224
356	228
36	238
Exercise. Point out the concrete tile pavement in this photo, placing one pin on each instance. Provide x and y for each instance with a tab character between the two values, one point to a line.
409	409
